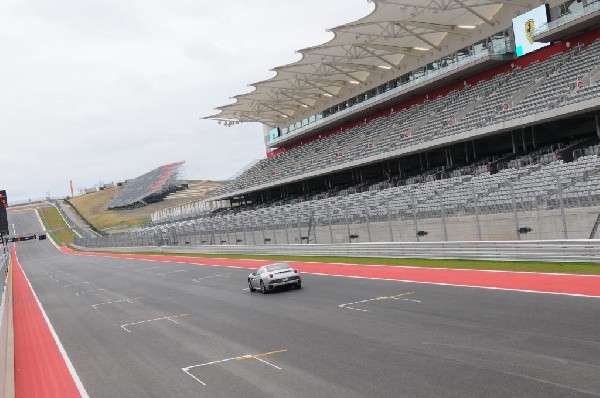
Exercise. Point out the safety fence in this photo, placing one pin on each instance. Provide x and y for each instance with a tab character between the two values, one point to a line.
552	251
4	257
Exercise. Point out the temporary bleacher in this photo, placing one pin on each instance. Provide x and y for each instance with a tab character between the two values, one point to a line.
147	188
561	80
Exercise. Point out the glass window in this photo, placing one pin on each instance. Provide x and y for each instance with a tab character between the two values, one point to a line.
277	267
417	74
499	43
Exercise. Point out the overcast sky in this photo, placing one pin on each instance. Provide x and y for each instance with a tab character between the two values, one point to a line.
104	90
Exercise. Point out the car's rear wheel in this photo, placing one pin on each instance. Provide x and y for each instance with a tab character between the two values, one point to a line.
263	288
299	285
250	286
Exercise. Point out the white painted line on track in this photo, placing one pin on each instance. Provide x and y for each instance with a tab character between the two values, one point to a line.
414	301
61	348
395	297
171	272
168	318
60	212
49	236
78	283
141	269
90	291
454	285
365	265
128	300
57	277
66	278
240	358
268	363
210	277
391	279
69	279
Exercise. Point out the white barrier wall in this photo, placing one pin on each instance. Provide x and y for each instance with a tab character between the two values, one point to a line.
545	225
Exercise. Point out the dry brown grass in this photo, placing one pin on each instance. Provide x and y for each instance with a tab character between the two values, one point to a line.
56	224
93	207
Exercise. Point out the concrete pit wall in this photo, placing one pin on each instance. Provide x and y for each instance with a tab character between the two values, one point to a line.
545	225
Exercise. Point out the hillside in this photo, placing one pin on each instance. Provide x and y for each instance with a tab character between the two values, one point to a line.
93	206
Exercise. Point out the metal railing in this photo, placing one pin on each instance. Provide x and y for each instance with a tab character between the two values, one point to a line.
403	88
566	18
517	204
4	257
552	251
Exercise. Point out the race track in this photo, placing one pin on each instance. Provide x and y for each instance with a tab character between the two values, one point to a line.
135	328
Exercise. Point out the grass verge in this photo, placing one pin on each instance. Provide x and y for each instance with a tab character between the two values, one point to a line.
56	226
529	266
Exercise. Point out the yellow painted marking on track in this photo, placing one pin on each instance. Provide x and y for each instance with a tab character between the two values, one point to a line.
392	297
171	317
259	355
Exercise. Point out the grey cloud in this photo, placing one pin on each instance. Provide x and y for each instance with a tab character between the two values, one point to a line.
107	90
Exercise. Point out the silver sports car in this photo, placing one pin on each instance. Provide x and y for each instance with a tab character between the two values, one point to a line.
271	276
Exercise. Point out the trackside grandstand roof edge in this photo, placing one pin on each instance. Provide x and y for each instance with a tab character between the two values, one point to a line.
396	37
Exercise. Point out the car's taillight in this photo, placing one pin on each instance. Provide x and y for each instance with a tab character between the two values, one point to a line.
295	271
271	276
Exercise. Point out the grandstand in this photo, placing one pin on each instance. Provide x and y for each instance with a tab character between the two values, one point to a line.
417	122
150	187
487	105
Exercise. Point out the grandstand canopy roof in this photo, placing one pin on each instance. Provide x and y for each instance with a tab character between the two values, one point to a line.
390	41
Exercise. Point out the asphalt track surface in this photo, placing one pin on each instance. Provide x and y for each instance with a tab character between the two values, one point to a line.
134	328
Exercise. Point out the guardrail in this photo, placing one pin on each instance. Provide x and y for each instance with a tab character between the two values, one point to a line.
547	250
4	257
